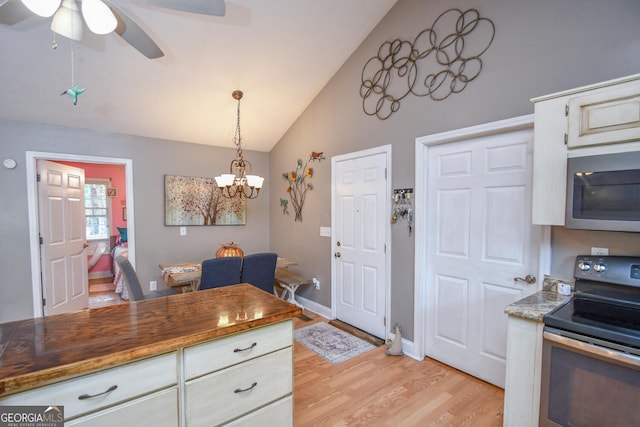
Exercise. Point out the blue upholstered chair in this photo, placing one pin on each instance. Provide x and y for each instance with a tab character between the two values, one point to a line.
133	283
260	270
217	272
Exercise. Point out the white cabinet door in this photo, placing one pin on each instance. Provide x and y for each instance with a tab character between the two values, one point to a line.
524	364
606	116
549	190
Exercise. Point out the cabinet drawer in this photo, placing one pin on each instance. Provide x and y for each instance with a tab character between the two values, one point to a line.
132	380
204	358
217	398
159	409
277	414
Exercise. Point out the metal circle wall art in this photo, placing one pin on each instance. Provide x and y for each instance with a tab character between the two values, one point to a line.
440	61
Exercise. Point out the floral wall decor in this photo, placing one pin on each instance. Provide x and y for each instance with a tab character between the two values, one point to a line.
192	200
297	185
441	60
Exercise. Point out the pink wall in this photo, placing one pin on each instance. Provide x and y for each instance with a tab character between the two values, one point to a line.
118	181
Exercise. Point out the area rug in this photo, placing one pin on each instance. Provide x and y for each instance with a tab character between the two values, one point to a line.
331	343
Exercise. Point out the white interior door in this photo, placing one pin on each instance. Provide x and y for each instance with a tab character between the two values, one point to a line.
62	233
360	210
480	238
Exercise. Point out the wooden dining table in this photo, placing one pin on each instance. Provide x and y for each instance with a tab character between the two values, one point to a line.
186	275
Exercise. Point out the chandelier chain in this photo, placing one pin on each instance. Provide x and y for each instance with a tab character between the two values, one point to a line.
237	139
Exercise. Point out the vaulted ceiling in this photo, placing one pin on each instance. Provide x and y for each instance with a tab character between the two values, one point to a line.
280	53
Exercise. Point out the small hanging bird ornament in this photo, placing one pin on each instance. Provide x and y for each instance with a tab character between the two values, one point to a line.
74	92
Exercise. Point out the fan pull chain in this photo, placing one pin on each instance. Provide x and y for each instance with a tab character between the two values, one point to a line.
72	64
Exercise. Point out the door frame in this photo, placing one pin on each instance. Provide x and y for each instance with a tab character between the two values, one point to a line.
384	149
421	221
34	224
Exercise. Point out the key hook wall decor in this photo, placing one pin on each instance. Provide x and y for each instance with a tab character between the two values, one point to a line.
440	61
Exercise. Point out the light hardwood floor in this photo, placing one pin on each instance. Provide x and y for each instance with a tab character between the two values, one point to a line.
374	389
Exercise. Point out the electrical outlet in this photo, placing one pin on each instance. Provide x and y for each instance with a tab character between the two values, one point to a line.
153	285
599	251
316	283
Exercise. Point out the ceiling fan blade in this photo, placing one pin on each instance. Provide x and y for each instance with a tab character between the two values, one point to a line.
13	11
201	7
133	34
45	9
99	18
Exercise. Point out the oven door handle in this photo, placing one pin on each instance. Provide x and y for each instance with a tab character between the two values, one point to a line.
594	350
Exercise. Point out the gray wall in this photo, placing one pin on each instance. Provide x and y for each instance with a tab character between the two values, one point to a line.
540	47
152	159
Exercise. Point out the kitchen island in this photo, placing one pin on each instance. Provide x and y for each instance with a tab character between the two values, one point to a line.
173	357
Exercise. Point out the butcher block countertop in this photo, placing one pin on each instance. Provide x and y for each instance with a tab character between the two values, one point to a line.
40	351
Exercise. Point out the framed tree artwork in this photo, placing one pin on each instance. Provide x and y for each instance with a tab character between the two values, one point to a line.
192	200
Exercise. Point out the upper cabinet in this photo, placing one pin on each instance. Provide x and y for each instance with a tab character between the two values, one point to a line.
596	119
608	116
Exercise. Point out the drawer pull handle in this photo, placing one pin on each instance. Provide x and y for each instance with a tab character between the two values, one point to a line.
242	390
90	396
238	350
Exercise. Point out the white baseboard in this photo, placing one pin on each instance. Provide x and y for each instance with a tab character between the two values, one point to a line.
315	307
100	274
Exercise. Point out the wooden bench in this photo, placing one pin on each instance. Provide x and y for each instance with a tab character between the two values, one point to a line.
291	282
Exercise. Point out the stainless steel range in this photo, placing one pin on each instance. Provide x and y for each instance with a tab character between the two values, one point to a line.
591	348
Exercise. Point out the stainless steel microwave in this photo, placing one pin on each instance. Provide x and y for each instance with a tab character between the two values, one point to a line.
603	192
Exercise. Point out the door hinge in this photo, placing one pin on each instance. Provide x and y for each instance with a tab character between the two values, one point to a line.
566	139
385	173
384	320
385	248
38	177
44	302
566	110
40	239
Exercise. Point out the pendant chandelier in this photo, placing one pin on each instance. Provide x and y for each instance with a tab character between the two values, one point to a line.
239	184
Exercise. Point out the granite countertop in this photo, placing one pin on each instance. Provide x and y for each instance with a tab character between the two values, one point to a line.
39	351
535	306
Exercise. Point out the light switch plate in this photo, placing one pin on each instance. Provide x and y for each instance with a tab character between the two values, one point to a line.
183	231
325	231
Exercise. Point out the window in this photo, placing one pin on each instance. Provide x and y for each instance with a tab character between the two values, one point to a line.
97	209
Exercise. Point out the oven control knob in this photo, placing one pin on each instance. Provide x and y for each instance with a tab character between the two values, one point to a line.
600	268
584	266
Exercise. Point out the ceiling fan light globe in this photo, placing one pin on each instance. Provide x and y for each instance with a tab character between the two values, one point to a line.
67	21
98	16
44	8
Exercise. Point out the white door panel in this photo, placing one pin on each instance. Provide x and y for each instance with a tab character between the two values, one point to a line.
478	212
360	208
62	228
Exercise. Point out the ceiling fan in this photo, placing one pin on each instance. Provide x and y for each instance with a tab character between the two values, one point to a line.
101	17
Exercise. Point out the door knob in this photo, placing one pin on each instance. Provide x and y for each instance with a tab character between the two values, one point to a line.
528	279
337	255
